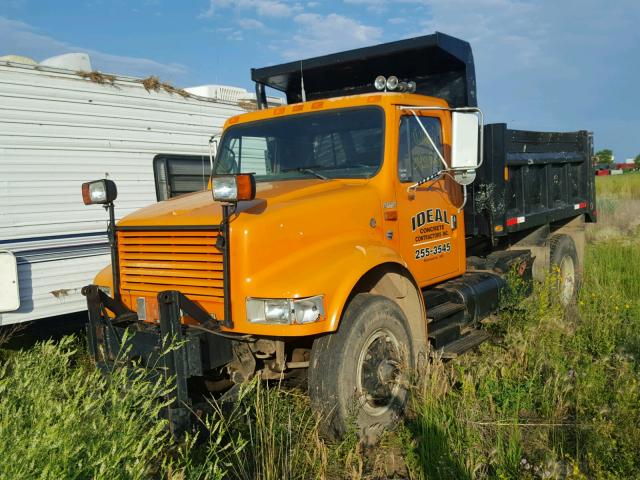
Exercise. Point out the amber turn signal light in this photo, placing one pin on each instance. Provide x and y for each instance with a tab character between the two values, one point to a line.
234	188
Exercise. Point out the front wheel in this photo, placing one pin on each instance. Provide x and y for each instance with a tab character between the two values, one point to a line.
357	375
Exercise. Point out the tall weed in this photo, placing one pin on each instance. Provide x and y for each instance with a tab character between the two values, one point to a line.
60	418
556	393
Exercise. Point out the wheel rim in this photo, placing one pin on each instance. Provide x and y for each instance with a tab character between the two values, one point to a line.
378	372
567	279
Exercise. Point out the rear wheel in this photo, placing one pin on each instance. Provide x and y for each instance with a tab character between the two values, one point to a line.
564	260
357	373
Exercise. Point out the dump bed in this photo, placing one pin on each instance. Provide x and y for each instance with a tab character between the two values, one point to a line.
528	179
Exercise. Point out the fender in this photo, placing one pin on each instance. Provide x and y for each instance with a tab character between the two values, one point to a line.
104	278
332	268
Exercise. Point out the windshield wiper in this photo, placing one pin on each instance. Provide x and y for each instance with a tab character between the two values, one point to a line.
307	170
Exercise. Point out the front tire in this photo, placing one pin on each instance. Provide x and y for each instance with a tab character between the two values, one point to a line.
357	374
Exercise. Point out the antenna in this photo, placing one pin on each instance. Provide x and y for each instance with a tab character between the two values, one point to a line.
304	95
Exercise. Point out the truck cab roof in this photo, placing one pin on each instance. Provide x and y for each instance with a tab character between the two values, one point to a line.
382	99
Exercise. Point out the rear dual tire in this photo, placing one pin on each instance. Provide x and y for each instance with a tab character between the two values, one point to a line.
357	374
565	263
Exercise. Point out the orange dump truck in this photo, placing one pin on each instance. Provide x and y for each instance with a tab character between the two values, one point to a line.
351	233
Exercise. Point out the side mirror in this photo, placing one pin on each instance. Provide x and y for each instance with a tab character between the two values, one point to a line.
465	131
9	288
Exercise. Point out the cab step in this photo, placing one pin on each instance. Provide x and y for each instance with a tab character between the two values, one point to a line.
442	311
445	334
463	344
435	296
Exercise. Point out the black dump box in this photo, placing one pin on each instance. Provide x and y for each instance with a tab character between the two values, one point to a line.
441	65
529	179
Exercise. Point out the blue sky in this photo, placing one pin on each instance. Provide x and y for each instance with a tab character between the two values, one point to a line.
544	65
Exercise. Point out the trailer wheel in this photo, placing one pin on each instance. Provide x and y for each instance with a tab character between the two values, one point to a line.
564	257
356	375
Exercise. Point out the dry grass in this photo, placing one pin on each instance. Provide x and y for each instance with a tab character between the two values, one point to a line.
153	83
618	205
98	77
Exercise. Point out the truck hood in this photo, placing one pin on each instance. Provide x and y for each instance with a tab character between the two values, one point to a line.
199	209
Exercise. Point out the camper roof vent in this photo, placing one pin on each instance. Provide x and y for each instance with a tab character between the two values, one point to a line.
70	61
219	92
18	59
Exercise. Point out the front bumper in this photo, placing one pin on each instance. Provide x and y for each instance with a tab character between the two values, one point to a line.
169	348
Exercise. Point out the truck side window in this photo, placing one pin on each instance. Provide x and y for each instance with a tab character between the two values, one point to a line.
416	157
245	154
179	174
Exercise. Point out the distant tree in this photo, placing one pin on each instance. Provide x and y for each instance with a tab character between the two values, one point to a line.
637	161
604	156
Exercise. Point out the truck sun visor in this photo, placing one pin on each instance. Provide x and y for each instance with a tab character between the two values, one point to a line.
441	65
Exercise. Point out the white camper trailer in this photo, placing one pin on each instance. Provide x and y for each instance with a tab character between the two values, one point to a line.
61	127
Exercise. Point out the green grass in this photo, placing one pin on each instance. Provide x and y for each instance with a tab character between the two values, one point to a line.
60	418
619	186
555	394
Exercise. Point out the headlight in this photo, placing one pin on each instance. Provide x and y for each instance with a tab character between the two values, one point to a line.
100	192
285	311
234	188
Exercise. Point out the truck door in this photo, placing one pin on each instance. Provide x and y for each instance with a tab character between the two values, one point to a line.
431	230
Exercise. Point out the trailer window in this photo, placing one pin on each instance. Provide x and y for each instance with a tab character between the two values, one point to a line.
179	174
416	157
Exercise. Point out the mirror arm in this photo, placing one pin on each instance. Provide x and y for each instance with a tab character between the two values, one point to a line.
434	176
213	154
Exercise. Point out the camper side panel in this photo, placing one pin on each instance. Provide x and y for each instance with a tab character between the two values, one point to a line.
58	130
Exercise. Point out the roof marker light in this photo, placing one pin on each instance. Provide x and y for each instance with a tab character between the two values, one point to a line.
380	82
392	82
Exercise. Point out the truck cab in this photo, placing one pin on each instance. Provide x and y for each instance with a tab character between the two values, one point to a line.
332	239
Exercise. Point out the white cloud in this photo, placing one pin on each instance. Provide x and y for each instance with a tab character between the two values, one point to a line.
320	34
550	65
20	38
236	36
382	6
250	24
264	8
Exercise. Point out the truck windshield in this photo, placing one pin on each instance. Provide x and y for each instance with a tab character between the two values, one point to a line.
332	144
